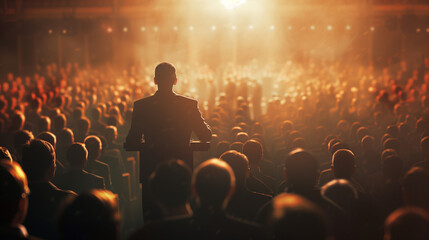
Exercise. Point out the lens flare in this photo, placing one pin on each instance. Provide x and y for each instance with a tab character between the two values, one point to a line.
231	4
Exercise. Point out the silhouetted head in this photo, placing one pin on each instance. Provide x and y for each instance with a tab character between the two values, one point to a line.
165	75
59	123
392	143
337	146
239	164
170	183
416	188
340	192
48	137
17	121
213	183
111	133
343	164
367	143
20	138
237	146
77	156
391	167
301	169
93	145
13	194
66	137
295	218
242	137
38	160
44	124
92	215
222	147
253	151
409	223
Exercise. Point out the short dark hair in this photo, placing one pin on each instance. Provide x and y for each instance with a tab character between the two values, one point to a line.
238	162
170	183
38	157
48	137
407	223
213	181
165	73
302	168
91	215
77	155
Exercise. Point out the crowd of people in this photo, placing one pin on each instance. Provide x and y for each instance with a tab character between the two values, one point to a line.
308	149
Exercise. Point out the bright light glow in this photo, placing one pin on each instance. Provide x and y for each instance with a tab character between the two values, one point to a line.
231	4
213	28
125	29
142	29
418	30
251	27
233	27
372	29
427	30
109	29
329	27
191	28
175	28
155	29
50	31
272	27
289	27
64	31
348	27
312	27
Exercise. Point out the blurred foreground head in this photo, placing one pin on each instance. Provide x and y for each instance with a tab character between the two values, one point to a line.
13	194
409	223
295	218
92	215
214	183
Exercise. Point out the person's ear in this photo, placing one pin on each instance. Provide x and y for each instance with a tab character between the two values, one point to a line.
175	81
154	80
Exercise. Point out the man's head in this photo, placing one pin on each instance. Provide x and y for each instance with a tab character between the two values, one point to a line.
92	215
416	188
165	75
48	137
77	156
239	164
254	152
38	160
214	183
13	194
407	223
293	217
93	145
343	164
170	184
301	169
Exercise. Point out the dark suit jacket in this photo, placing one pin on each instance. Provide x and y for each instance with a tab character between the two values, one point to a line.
166	120
80	181
100	169
43	203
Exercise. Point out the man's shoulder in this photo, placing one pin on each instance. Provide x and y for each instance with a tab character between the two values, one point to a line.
143	101
185	99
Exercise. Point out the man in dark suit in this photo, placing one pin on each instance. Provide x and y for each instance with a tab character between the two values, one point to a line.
166	121
77	179
38	161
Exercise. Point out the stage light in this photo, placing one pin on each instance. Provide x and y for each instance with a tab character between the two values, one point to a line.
191	28
155	29
312	27
348	27
289	27
418	30
213	28
329	27
64	31
272	27
251	27
50	31
427	30
125	29
142	29
233	27
231	4
372	28
175	28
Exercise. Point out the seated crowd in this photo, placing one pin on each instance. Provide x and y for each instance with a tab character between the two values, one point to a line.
322	158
